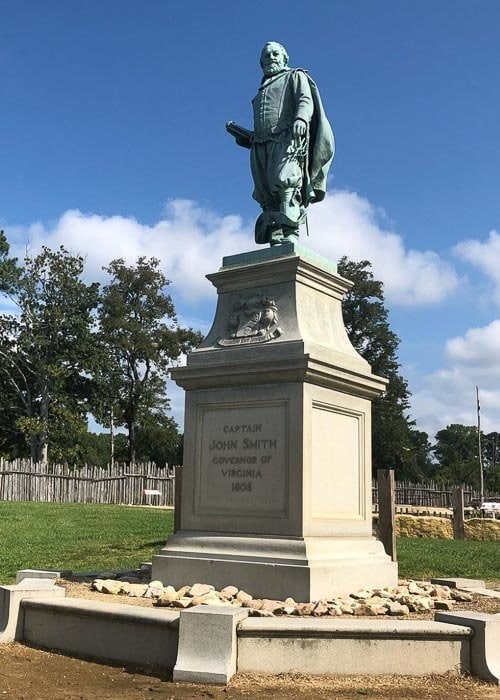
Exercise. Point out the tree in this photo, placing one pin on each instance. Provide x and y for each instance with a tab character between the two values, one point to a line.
420	463
366	321
105	394
159	440
46	348
12	442
456	451
491	459
94	449
139	329
9	269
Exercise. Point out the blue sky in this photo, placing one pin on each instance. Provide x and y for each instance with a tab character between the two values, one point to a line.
112	142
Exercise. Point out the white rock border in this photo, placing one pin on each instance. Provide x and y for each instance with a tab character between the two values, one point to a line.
408	597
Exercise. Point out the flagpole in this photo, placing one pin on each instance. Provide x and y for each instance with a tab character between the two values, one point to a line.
479	447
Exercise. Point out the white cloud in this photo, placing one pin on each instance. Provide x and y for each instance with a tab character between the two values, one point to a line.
479	347
485	256
348	224
448	396
191	241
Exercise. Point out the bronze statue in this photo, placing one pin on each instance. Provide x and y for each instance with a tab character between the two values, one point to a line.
291	147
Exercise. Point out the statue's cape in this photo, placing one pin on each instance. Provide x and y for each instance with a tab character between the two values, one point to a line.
321	149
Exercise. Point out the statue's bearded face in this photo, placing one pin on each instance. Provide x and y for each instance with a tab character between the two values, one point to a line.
273	59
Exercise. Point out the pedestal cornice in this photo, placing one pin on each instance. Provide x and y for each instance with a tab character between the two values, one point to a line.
282	370
291	268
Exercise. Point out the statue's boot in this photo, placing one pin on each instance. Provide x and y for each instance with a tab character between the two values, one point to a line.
290	235
276	237
268	228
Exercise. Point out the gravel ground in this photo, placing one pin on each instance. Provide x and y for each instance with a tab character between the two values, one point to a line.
33	674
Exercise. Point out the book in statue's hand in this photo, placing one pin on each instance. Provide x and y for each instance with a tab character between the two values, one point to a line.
244	137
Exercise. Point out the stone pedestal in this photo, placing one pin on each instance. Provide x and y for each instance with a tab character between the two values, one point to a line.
276	490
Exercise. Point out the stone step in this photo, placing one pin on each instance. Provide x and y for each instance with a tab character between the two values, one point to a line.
352	647
118	632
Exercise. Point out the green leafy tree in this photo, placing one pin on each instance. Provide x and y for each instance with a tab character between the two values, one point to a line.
143	339
12	443
9	269
395	446
420	463
105	401
94	449
47	350
159	440
456	451
491	457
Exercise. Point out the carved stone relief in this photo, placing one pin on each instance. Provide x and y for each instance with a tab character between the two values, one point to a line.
253	319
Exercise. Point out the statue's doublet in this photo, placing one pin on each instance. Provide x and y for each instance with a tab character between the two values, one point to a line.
281	99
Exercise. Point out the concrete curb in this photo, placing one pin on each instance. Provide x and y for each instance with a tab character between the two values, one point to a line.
470	585
485	644
11	597
208	644
352	647
50	574
460	583
118	632
208	647
357	628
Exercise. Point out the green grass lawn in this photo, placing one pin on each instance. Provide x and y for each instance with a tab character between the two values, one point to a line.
81	537
94	537
428	558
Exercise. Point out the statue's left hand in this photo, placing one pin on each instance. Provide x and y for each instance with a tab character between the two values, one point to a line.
299	130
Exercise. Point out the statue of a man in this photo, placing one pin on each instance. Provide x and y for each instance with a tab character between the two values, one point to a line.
292	147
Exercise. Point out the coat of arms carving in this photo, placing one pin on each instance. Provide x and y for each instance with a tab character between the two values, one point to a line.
253	319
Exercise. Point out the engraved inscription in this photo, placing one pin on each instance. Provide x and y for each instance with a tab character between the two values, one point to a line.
242	460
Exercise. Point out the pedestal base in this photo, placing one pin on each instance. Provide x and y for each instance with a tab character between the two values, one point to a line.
276	485
276	567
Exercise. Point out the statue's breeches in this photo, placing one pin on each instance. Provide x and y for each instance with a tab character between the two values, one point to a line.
274	169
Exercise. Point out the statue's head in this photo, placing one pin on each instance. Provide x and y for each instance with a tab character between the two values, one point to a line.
273	58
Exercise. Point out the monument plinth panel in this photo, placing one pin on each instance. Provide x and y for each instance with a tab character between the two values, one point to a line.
277	458
241	460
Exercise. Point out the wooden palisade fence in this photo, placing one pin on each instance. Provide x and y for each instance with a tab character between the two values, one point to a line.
430	495
22	480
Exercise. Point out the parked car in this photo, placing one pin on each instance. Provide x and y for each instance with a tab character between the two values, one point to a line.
491	508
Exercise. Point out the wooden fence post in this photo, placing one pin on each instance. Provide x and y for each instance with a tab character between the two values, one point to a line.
177	498
387	511
458	513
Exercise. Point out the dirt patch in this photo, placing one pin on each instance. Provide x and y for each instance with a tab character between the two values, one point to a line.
33	674
83	590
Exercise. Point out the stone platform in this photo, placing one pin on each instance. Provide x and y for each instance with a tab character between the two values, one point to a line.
209	644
